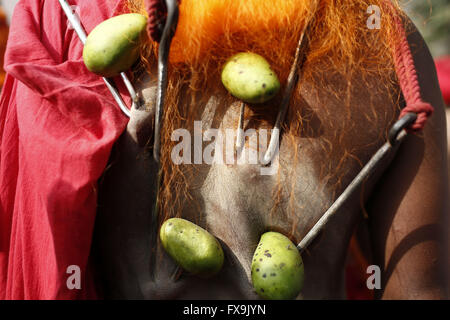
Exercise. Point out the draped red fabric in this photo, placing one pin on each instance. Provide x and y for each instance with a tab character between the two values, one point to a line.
443	72
58	123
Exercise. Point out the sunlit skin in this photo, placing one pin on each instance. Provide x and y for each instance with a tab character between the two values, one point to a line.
404	216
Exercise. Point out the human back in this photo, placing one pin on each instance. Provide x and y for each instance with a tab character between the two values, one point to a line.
339	115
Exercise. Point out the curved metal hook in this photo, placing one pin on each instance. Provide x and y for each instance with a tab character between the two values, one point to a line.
76	24
291	83
163	58
403	123
116	95
396	136
240	132
293	78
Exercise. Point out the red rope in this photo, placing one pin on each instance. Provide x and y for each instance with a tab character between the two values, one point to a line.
157	13
408	81
157	16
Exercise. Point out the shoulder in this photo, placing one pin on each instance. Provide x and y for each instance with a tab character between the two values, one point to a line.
426	69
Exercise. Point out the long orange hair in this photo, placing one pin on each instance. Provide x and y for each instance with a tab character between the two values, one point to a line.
210	31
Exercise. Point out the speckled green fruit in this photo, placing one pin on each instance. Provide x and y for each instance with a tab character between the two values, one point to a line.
248	77
113	46
277	268
192	247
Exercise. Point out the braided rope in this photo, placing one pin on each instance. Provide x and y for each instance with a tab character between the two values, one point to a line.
157	16
157	13
408	80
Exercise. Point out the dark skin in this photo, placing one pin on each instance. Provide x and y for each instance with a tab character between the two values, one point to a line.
407	208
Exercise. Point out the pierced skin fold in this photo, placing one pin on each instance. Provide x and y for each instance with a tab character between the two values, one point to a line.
339	116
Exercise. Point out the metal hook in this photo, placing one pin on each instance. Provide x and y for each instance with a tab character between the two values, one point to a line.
396	137
163	58
291	83
292	80
240	132
109	82
401	124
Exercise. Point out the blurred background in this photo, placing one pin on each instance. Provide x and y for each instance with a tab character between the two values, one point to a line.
8	6
432	18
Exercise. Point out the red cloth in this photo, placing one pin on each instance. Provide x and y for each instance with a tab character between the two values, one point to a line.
58	123
443	72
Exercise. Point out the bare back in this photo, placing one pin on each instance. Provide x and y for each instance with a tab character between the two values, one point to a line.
236	203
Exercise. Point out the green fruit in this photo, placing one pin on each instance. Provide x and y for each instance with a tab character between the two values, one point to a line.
248	77
113	46
277	268
192	247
